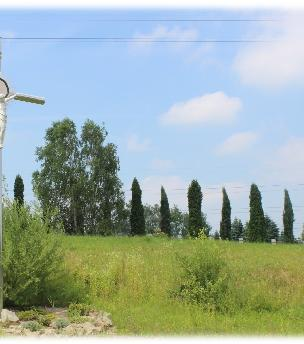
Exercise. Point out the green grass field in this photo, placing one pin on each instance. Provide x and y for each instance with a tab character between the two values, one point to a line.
132	278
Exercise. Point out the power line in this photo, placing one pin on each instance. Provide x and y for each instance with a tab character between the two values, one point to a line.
141	20
132	40
186	20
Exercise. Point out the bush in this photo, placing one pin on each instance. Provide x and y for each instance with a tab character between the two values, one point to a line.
32	260
204	280
45	320
28	315
61	323
79	309
32	326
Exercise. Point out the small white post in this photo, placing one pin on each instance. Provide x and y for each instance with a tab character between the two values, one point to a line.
241	240
273	241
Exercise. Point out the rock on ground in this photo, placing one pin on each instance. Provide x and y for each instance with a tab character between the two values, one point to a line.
8	316
95	323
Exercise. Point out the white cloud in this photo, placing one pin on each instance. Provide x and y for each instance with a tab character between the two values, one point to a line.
277	63
160	164
286	165
162	32
237	143
135	145
209	108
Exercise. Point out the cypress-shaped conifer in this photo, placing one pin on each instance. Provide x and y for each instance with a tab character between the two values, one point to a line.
19	190
288	218
165	217
137	219
256	227
195	197
225	225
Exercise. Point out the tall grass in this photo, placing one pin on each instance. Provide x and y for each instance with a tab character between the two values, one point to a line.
133	278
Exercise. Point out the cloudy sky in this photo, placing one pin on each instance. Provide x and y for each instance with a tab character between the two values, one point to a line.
224	113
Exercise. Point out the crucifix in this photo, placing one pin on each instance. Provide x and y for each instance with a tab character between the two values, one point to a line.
7	95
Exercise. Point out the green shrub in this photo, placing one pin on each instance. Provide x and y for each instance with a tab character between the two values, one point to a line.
28	315
204	280
32	325
39	315
78	309
61	323
45	319
32	260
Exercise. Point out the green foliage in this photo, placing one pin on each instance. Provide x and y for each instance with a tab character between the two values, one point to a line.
78	178
272	229
179	222
159	233
137	219
78	309
33	261
165	217
33	326
19	190
61	323
216	235
204	279
31	314
206	226
256	226
195	197
225	225
237	229
288	218
45	319
37	315
132	276
152	217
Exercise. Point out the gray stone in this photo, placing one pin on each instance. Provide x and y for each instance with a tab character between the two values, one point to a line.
8	316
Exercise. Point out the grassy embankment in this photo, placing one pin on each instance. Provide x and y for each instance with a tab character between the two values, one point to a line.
132	278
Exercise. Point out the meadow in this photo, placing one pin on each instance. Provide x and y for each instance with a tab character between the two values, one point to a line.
134	279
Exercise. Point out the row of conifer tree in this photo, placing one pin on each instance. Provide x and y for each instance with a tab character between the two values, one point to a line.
259	228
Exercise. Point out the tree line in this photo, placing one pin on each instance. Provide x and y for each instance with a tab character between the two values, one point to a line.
77	185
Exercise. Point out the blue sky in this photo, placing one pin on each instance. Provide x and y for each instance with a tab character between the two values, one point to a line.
223	113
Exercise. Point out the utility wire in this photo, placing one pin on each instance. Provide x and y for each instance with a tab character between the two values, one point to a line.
142	20
186	20
132	39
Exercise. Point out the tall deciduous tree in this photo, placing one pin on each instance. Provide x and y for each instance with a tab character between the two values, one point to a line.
99	166
19	190
237	229
152	217
78	178
288	218
165	217
256	227
225	225
137	219
195	197
179	222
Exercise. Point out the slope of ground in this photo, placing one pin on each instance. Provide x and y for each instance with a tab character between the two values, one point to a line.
133	279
